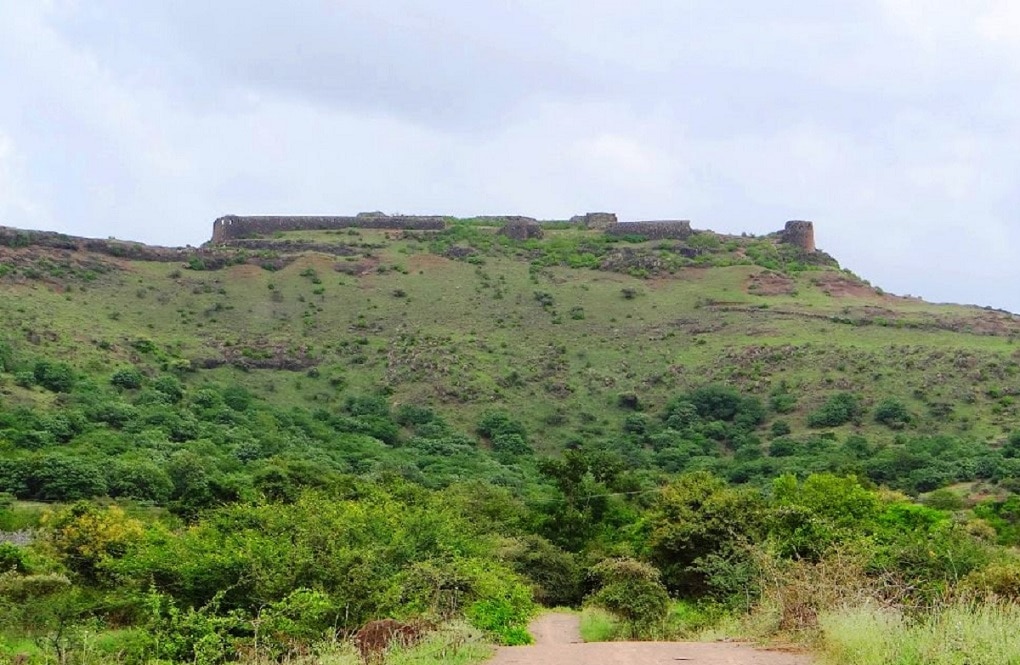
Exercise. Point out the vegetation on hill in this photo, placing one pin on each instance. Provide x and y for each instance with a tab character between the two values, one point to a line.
249	452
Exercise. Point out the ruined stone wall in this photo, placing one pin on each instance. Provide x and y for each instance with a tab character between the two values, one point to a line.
595	220
679	229
501	220
233	227
16	238
799	233
521	230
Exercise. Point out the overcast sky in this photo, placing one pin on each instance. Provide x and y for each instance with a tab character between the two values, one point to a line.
893	124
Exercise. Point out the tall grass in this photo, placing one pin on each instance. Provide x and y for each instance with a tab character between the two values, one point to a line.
985	633
598	625
685	621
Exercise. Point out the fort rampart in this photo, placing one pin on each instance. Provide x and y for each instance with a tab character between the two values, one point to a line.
234	227
658	230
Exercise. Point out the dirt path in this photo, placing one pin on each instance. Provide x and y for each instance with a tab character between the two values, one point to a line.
558	642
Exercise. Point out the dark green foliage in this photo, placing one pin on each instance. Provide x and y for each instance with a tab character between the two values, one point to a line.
839	409
1011	448
495	423
413	414
53	476
726	404
893	414
694	517
55	376
555	575
237	398
780	428
632	590
170	387
128	378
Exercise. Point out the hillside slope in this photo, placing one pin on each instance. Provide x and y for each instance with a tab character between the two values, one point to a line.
465	321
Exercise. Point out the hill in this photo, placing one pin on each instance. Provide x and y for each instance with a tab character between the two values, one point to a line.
245	451
571	331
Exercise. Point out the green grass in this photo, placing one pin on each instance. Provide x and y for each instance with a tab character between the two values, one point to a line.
454	644
975	634
685	621
598	625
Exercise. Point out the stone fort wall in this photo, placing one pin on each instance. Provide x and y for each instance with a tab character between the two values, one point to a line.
234	227
679	229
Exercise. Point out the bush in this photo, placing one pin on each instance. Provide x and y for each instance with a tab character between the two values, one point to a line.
780	428
554	574
893	414
55	376
839	409
633	591
495	423
128	378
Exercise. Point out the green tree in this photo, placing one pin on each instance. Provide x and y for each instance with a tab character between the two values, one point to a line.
695	516
633	591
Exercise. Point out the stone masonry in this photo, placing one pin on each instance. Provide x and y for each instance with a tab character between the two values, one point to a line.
799	233
233	227
679	229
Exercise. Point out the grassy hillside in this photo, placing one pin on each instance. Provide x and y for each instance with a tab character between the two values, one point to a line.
557	330
243	453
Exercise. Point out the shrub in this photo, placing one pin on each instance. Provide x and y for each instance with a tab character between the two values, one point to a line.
496	423
55	376
84	537
893	414
1001	580
839	409
170	386
633	591
128	378
554	574
780	428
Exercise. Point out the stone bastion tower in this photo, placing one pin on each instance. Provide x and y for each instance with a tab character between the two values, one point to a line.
800	234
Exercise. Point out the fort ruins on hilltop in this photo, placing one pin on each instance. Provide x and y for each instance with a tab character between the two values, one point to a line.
233	227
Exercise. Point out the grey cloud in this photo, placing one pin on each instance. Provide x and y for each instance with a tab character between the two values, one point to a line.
893	129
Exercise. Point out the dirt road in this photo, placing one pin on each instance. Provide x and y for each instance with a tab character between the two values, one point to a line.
558	642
